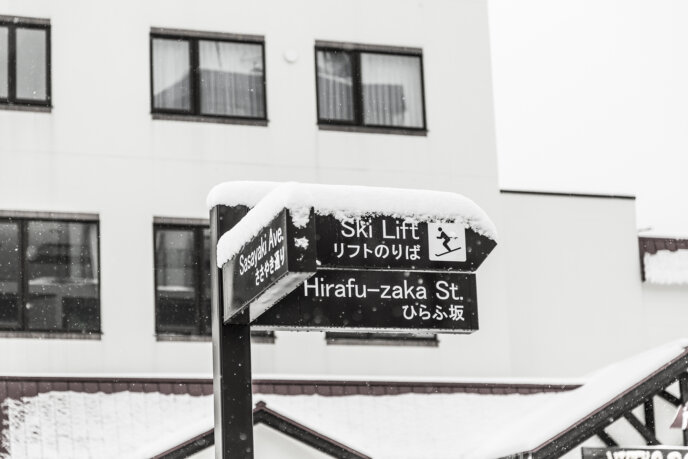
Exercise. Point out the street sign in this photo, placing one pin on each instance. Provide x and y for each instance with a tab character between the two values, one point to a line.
268	267
391	301
386	242
333	258
642	452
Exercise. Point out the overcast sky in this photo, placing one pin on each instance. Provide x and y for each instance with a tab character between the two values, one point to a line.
592	96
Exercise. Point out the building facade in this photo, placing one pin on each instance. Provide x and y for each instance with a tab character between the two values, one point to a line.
114	127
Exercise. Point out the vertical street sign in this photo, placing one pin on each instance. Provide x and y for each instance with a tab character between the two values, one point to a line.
268	267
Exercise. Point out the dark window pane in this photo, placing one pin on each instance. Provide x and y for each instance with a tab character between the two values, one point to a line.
31	64
392	90
62	271
4	53
335	86
9	275
171	79
176	280
231	79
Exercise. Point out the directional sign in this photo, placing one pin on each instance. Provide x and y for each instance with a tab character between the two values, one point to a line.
396	243
268	267
641	452
393	301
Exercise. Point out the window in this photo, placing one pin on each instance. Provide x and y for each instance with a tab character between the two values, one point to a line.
182	279
370	86
24	62
213	76
49	275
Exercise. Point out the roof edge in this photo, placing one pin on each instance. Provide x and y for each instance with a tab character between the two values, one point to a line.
569	195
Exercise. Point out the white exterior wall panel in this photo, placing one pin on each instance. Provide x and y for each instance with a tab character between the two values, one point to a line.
100	151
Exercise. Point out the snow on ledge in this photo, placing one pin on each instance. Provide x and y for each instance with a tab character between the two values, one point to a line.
569	408
340	201
666	267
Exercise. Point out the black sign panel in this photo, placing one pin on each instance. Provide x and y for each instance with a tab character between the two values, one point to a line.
402	244
378	301
642	452
268	267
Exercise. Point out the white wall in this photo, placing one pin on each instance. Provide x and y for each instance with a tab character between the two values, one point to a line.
100	151
667	305
573	283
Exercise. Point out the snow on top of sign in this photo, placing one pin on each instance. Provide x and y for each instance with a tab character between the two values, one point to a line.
666	267
538	426
239	193
340	201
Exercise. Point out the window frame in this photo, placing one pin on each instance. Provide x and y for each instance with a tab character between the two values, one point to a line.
194	113
22	219
357	124
12	23
196	227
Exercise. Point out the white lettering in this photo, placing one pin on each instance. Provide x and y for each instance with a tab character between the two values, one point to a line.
347	229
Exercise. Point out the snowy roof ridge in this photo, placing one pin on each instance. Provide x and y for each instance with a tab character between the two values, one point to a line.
340	201
544	425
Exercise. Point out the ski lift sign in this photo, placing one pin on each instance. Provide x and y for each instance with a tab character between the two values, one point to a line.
384	242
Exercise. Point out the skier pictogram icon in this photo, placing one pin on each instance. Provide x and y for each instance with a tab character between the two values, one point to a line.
446	241
443	235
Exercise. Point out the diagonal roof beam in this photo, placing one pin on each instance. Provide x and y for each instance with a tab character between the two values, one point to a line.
669	397
606	438
641	428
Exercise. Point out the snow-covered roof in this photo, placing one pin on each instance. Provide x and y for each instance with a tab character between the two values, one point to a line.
666	267
426	419
664	260
340	201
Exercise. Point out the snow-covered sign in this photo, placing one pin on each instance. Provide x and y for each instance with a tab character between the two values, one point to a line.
350	230
275	260
642	452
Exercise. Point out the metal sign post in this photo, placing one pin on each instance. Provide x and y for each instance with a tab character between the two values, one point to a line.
232	387
380	273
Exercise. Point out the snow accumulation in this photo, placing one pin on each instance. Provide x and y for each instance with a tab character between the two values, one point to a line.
541	425
666	267
79	425
441	426
342	202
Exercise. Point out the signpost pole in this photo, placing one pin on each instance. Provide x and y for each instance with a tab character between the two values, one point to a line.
232	386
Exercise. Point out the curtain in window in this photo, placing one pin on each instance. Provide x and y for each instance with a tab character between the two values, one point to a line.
4	48
335	86
62	271
175	280
392	90
231	79
31	64
171	83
